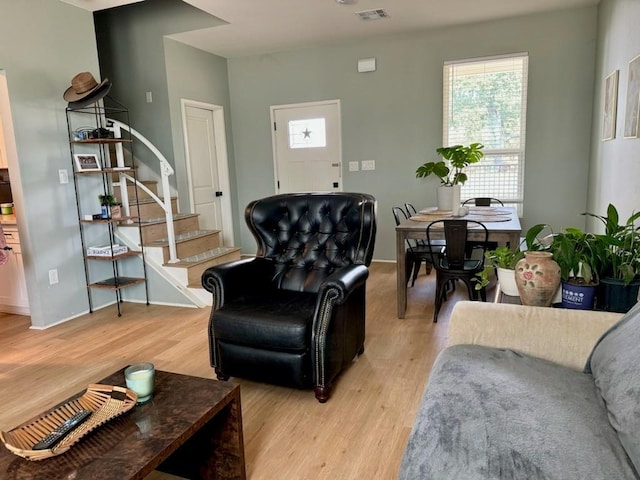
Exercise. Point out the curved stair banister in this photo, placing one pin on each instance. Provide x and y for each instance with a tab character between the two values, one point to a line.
166	170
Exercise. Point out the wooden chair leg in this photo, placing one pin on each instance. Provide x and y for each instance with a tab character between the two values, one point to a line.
322	393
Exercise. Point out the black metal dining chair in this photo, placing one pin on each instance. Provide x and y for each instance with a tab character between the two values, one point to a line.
411	210
417	250
454	263
483	201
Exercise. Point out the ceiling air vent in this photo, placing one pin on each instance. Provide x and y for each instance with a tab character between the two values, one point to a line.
375	14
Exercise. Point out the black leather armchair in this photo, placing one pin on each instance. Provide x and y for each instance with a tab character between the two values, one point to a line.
295	314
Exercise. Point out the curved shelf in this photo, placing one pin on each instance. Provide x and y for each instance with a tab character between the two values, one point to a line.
116	283
102	141
114	257
104	170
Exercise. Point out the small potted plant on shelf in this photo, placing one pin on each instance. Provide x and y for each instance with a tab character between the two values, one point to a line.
578	255
453	175
619	259
110	208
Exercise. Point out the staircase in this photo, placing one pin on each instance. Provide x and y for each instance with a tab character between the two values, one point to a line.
174	245
196	249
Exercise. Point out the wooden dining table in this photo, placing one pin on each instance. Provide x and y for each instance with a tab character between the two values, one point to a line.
502	223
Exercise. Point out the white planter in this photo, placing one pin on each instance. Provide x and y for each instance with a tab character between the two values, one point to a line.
448	197
507	281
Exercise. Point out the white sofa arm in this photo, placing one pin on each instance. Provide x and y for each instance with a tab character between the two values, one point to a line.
563	336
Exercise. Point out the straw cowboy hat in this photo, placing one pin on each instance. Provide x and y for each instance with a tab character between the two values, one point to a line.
85	89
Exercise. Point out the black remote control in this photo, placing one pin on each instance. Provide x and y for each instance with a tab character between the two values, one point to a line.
59	433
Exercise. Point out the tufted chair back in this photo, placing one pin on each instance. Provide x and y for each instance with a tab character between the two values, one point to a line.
309	235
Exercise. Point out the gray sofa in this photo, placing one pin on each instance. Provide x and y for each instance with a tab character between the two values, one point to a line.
531	393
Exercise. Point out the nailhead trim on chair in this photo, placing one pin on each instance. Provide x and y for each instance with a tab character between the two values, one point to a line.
326	308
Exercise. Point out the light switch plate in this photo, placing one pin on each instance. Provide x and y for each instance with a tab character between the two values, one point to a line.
353	166
368	164
63	176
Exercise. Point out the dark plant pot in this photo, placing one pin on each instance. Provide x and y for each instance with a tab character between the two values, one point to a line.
578	297
615	296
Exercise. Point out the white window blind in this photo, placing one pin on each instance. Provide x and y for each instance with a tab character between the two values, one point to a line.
485	100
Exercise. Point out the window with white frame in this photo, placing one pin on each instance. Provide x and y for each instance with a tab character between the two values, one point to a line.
485	100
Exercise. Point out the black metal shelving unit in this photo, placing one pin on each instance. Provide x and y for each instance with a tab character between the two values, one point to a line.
88	126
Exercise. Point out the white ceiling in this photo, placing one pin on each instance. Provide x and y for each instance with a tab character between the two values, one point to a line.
267	26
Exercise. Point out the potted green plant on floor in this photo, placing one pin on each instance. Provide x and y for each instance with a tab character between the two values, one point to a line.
619	261
503	260
450	171
578	255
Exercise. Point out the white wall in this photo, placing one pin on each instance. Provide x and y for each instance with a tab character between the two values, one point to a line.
615	164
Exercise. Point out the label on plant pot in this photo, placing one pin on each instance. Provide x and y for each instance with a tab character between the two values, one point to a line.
577	296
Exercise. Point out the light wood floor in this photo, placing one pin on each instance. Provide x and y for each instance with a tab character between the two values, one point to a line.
360	433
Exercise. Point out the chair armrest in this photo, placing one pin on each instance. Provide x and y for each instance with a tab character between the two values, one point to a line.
344	281
229	280
563	336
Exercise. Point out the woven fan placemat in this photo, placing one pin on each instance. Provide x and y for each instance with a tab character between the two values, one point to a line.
487	217
420	217
472	216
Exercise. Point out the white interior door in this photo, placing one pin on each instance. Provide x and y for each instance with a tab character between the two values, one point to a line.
207	167
307	147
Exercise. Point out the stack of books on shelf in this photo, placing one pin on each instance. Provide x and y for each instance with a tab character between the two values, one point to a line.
107	250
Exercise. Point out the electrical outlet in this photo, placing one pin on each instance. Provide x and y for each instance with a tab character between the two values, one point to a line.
149	97
53	276
368	164
63	176
353	166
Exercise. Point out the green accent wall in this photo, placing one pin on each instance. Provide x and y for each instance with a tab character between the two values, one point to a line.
39	58
132	56
205	82
394	115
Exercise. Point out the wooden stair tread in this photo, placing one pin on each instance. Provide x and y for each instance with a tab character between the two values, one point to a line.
144	201
203	257
182	237
158	220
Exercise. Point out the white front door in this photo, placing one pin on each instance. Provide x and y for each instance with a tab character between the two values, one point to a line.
207	168
307	147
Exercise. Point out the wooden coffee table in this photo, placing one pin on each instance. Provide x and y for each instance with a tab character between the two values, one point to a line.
192	428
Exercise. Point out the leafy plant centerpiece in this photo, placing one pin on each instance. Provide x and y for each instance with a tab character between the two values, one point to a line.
459	157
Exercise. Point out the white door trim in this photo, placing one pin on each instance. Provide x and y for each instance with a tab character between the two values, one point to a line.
220	137
272	110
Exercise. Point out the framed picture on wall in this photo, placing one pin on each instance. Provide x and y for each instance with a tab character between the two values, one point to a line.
610	106
633	100
86	162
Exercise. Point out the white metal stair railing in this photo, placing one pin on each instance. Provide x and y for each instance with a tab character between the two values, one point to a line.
166	170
